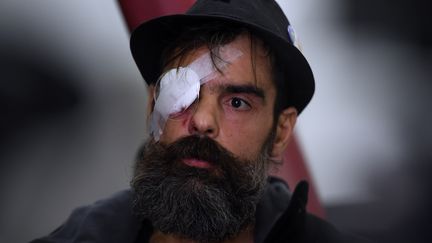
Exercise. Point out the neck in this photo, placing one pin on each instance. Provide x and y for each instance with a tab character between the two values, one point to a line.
245	236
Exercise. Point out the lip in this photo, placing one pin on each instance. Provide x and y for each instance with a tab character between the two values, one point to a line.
197	163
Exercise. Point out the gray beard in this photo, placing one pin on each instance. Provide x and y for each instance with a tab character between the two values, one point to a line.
192	203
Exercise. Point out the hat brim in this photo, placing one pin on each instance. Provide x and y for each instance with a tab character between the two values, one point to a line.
150	39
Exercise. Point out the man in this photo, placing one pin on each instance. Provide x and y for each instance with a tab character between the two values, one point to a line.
227	83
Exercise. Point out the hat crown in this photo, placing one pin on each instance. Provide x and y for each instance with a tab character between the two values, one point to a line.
262	13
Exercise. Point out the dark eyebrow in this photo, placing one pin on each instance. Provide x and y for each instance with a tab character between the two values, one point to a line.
248	89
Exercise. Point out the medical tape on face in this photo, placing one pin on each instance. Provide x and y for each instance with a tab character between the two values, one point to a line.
179	87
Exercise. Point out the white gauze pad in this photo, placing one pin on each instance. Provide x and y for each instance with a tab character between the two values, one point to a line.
179	88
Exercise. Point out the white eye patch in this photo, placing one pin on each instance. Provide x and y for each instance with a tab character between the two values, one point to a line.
178	88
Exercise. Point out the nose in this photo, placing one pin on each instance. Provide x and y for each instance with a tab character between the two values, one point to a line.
204	120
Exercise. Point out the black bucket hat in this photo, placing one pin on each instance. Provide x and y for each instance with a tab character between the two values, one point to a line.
263	18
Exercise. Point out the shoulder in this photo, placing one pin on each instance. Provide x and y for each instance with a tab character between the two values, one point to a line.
107	220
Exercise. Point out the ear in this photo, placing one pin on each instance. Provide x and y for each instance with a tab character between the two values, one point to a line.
284	129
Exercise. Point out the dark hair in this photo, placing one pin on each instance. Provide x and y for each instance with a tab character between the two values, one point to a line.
215	34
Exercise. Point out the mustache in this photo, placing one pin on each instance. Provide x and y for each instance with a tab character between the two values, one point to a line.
201	148
156	159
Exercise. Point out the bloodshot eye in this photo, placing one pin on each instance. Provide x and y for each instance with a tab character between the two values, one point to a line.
178	114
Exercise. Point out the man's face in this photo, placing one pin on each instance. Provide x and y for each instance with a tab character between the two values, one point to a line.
235	108
203	179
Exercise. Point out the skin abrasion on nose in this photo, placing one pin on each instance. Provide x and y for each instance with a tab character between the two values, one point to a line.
179	87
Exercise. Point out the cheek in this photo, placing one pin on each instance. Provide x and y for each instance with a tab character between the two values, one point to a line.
174	129
184	121
244	140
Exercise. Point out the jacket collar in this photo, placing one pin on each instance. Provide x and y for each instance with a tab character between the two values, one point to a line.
278	207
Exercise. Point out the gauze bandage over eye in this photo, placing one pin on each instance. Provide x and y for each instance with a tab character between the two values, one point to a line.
179	87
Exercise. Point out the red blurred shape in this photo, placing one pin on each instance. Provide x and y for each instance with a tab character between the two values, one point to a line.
294	168
137	11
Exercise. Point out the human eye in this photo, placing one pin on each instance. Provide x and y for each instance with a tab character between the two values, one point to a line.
239	104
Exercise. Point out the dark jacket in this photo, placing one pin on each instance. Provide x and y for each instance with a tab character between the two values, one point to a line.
280	217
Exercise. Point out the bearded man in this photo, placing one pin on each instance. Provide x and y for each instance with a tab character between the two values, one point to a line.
226	83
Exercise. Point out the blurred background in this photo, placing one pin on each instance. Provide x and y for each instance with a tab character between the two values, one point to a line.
73	111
